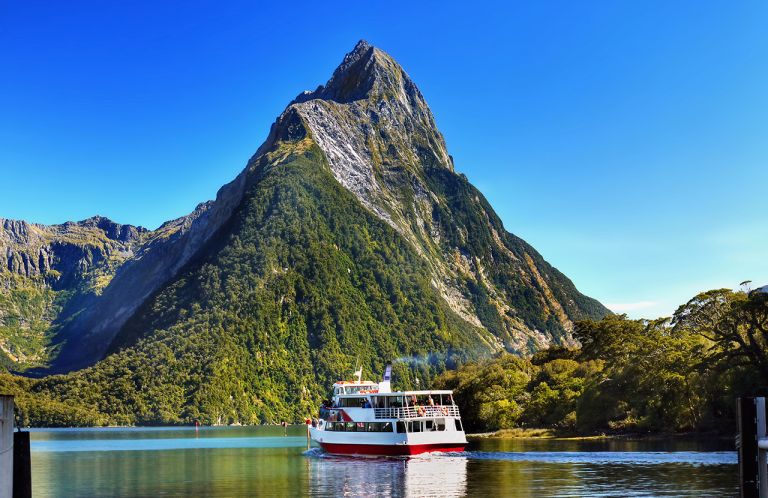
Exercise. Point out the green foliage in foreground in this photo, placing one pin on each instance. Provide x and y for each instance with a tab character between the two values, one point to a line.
678	374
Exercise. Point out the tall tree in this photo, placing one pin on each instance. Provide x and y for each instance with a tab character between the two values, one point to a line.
736	323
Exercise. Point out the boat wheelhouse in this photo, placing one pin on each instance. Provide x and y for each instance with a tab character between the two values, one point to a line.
366	418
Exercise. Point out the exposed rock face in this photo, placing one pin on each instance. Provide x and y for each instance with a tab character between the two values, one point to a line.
71	249
380	139
381	143
375	128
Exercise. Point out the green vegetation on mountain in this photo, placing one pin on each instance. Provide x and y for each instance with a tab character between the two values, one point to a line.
49	274
28	310
348	237
381	142
302	284
677	374
374	134
510	282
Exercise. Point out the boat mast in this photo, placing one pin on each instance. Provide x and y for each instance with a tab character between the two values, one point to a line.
359	372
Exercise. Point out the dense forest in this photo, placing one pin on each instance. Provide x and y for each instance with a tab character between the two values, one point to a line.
673	374
301	285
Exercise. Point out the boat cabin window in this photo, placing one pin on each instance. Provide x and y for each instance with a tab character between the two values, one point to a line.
357	389
353	402
387	401
358	426
434	425
458	425
430	399
422	425
414	426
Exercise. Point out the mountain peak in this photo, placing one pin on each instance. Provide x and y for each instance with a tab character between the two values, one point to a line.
361	48
366	72
374	128
349	219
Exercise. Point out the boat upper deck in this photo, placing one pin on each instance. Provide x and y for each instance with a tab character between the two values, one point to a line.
398	404
372	393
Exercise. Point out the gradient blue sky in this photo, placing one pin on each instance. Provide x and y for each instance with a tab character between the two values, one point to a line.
627	141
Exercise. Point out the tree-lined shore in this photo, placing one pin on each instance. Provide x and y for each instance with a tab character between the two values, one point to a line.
677	374
671	375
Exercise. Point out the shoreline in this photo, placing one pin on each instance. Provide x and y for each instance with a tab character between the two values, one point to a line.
524	433
517	433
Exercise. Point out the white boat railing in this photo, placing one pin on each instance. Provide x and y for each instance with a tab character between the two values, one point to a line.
413	412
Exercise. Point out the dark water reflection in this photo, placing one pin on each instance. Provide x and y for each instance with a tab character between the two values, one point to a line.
264	462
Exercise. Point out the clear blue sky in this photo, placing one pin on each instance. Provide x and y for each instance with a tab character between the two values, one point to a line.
627	141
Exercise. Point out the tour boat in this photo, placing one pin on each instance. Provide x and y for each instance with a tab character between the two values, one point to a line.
366	418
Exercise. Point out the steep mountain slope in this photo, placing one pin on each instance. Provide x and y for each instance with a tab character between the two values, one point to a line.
376	134
348	235
381	141
299	283
84	337
48	274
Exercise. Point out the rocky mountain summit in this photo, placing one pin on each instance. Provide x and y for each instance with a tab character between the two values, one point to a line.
348	234
381	142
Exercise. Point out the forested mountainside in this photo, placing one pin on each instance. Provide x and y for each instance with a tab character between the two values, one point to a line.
348	235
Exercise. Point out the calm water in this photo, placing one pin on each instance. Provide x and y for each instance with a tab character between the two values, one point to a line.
263	461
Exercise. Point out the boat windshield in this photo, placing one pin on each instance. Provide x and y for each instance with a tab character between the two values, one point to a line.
355	389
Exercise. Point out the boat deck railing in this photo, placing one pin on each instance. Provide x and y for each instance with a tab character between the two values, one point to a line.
414	412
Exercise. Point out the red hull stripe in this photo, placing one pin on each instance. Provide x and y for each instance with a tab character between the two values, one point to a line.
387	449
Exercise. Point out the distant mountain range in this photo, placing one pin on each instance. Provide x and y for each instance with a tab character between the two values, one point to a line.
348	235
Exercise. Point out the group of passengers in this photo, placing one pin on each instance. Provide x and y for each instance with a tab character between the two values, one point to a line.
423	405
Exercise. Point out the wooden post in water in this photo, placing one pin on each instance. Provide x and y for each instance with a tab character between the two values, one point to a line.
22	465
753	459
762	456
6	446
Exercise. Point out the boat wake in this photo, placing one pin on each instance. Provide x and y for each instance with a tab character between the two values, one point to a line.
315	453
321	453
694	458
